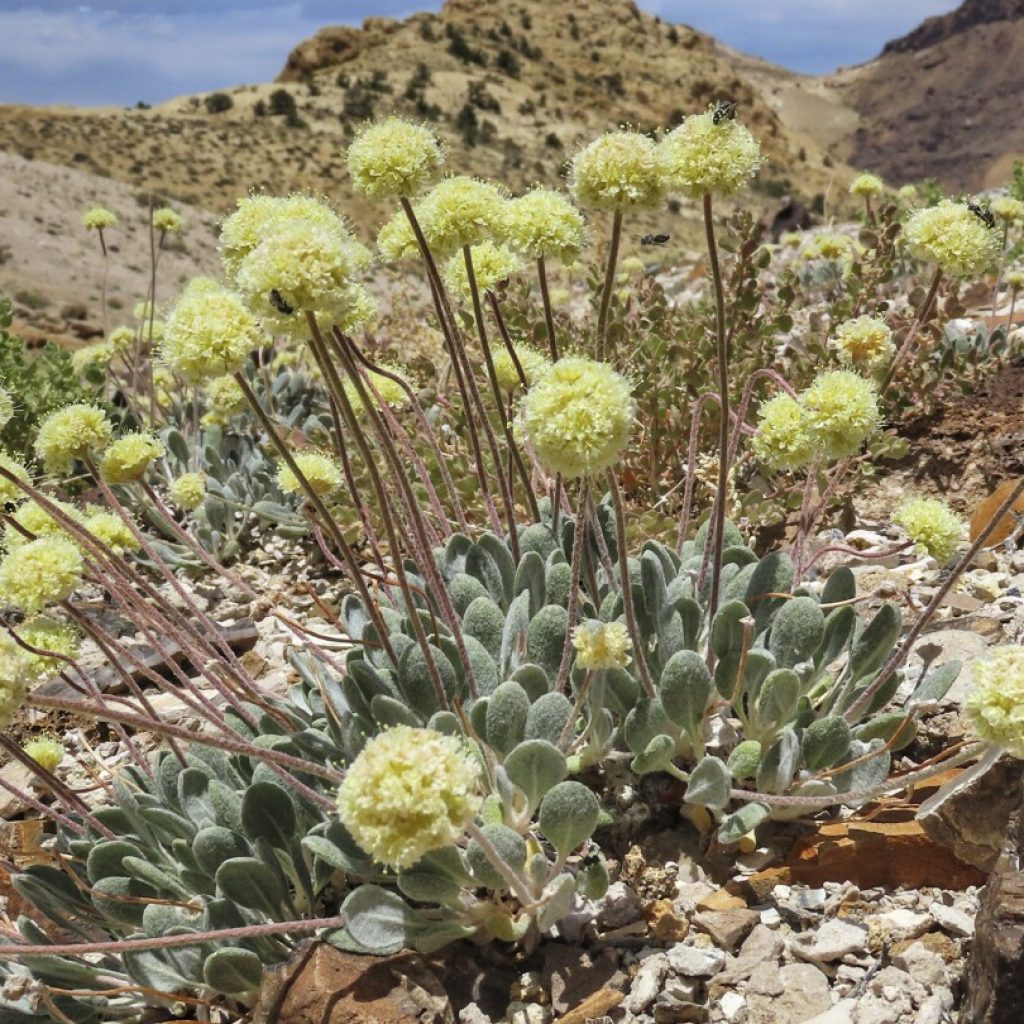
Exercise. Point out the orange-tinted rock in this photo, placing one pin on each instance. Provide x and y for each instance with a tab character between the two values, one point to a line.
986	511
663	923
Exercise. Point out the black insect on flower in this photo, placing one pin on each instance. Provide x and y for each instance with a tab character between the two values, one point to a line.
659	239
983	213
277	299
725	110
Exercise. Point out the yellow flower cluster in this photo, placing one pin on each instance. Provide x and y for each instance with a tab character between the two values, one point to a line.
128	458
1015	278
932	525
709	153
394	157
111	531
79	431
46	634
864	342
995	705
493	263
46	751
13	680
831	246
602	645
953	236
209	333
188	491
40	573
98	218
866	185
98	353
392	394
783	440
224	399
842	412
578	416
457	212
618	171
408	792
1008	209
32	518
321	471
396	240
10	493
534	363
542	223
166	220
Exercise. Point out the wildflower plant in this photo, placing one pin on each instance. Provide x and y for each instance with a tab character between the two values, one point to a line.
504	625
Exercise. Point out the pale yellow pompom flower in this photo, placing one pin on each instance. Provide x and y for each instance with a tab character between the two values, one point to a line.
783	437
408	792
542	223
46	751
99	353
995	705
533	364
166	220
11	493
457	212
40	573
866	186
493	264
391	393
112	532
709	154
602	645
322	472
953	236
394	158
79	431
209	333
1008	209
224	399
842	411
34	519
908	193
864	342
48	635
188	491
13	679
98	218
618	171
128	458
932	525
396	240
1014	278
578	416
831	246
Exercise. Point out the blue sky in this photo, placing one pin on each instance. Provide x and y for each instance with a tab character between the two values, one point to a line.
120	51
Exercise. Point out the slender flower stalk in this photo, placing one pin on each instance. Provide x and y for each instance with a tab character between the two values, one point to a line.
609	284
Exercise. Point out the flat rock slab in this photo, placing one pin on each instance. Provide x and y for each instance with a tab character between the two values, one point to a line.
324	985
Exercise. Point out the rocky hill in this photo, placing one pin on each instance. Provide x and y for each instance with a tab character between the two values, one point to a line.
942	101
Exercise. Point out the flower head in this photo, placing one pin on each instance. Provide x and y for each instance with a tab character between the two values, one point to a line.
40	573
6	407
98	218
128	458
363	311
301	268
578	416
457	212
542	223
709	153
12	494
953	236
34	519
534	363
13	679
867	185
209	333
783	438
618	171
48	635
188	491
111	531
77	431
392	394
396	240
46	751
224	398
493	263
98	353
1008	209
842	411
933	525
831	246
865	342
601	645
995	705
1014	277
908	193
408	792
166	220
394	157
321	471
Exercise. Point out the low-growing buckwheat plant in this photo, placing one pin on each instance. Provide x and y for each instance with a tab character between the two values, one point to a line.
504	634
